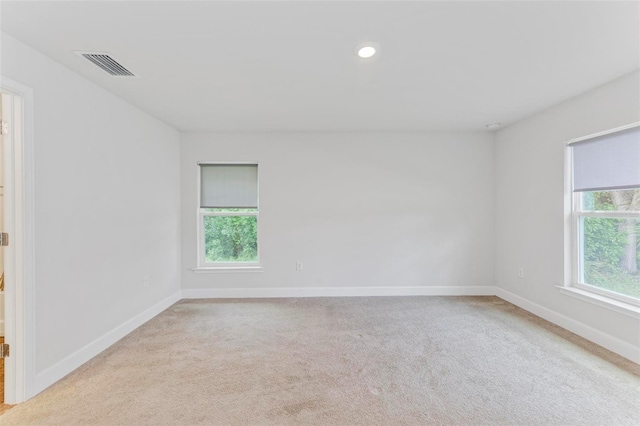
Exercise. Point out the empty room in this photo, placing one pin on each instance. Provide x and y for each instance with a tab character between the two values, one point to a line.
320	212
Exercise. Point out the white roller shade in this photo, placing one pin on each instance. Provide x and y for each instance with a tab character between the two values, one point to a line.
229	186
607	162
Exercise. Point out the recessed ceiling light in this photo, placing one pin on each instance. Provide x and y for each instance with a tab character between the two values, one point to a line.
493	126
366	50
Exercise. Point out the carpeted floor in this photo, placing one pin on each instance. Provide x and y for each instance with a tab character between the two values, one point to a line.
344	361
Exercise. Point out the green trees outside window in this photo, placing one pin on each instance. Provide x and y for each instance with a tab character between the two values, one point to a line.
611	254
230	239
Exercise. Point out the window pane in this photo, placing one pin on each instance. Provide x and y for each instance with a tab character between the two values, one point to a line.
611	254
621	200
231	239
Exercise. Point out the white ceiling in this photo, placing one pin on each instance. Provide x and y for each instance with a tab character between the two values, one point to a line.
289	66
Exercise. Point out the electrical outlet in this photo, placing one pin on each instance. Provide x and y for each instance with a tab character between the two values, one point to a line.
299	265
520	273
145	281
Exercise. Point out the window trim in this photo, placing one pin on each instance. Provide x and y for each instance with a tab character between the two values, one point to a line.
573	214
602	301
223	267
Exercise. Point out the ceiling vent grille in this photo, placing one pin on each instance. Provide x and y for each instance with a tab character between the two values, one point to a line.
107	64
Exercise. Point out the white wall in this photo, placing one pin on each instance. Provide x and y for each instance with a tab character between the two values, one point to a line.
106	206
530	201
360	210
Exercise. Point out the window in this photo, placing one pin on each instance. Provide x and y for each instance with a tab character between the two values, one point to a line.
228	215
606	214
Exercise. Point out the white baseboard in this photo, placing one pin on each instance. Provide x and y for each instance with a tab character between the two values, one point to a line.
598	337
56	372
243	293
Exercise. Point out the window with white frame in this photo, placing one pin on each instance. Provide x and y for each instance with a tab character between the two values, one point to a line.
228	215
606	214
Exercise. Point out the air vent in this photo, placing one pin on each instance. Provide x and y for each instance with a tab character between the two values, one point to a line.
107	64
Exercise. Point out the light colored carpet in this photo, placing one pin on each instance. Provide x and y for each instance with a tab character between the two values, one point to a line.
344	361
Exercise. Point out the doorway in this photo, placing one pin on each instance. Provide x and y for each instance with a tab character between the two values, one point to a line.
17	259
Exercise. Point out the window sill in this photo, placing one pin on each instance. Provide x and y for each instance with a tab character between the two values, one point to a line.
603	301
227	269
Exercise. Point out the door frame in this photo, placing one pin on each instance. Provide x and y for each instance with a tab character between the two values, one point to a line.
18	169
